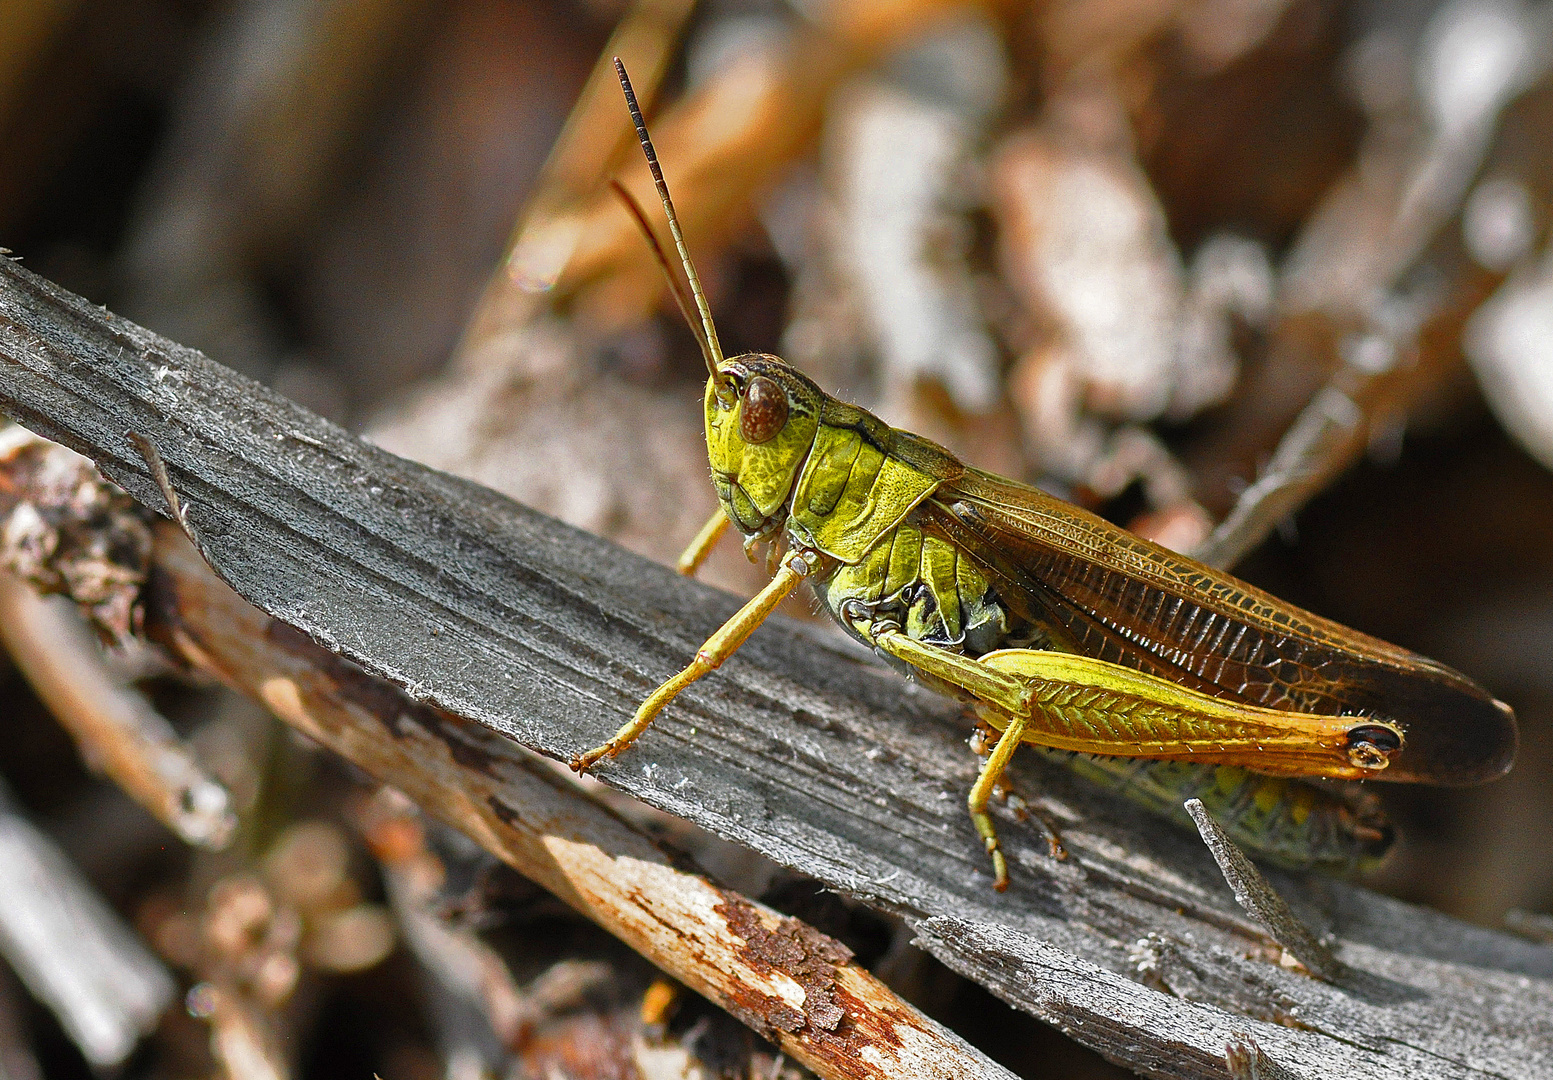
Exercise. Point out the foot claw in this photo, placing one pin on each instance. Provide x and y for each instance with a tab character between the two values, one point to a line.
999	871
1054	844
583	762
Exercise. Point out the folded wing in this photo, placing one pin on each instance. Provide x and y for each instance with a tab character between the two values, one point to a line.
1098	590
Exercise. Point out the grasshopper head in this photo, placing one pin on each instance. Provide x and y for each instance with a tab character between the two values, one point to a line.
761	415
761	418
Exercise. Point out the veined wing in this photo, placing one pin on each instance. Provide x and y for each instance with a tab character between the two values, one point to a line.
1103	592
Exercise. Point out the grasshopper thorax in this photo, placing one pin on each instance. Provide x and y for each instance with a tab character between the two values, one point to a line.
761	418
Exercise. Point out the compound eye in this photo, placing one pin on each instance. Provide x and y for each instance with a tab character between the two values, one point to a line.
765	411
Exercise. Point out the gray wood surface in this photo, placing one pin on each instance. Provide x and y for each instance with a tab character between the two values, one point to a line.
825	764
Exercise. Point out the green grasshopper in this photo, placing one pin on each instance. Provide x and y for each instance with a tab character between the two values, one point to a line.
1059	628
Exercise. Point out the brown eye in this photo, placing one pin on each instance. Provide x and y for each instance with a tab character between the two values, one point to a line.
764	412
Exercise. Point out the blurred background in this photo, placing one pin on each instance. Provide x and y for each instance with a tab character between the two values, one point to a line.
1266	280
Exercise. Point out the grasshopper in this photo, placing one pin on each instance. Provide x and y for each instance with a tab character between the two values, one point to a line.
1060	629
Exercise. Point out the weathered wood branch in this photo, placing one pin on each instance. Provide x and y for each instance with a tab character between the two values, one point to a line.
784	979
548	635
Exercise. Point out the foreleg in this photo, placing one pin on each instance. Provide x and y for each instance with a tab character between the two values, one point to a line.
721	645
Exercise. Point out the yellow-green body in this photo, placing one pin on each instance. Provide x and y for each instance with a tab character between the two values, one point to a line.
1063	630
855	484
839	482
1285	821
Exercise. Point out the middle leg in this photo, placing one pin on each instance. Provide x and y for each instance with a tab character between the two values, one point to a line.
981	793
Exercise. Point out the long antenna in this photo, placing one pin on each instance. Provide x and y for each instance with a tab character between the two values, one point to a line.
675	287
714	350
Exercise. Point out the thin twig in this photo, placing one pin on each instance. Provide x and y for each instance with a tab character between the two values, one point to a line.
116	728
1360	284
71	949
1254	893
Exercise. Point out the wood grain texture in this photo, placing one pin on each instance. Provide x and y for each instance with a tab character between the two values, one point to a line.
825	764
786	980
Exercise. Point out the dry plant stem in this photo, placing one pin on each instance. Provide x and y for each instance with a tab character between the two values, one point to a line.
1343	276
115	727
72	950
1325	439
723	142
455	955
1335	428
1254	893
242	1038
512	621
595	134
786	980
